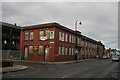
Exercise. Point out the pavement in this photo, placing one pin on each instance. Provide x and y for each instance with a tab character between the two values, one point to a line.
63	62
13	69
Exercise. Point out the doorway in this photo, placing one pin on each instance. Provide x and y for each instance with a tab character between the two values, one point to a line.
26	51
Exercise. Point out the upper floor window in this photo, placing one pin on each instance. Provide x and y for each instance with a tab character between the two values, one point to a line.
60	36
41	34
47	34
26	35
86	43
78	41
66	39
69	38
30	49
40	51
72	39
31	35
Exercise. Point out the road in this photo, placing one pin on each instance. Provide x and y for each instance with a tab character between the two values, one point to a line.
87	69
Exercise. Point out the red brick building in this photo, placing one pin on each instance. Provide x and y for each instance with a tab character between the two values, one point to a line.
53	42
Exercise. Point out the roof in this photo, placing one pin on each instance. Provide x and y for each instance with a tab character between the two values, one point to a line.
87	38
49	25
4	24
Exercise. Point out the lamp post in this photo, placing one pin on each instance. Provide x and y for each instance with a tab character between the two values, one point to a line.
76	24
76	54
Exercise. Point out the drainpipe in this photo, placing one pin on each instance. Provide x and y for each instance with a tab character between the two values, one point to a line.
21	44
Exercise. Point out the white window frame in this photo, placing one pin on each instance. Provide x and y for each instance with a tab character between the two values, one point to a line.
69	51
78	40
26	35
59	50
74	39
66	37
63	50
41	34
30	50
72	51
70	38
47	34
63	36
60	36
66	51
31	35
40	51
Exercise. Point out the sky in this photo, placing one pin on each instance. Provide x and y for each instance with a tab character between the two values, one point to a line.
99	19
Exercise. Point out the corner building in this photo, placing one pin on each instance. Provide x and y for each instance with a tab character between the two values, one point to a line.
53	42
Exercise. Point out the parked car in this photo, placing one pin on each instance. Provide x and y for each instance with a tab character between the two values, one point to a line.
115	58
105	57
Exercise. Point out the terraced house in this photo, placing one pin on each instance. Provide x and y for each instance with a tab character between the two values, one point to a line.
54	42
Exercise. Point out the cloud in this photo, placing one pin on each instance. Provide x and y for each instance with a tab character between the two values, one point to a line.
99	19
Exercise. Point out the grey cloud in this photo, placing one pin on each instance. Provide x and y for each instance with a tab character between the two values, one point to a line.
99	19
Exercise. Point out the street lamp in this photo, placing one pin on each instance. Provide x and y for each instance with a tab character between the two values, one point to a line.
76	54
76	24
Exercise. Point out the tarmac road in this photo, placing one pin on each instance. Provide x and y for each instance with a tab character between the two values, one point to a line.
104	68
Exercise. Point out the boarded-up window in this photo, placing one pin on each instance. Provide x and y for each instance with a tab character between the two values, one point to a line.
47	34
26	35
41	34
30	49
40	51
31	35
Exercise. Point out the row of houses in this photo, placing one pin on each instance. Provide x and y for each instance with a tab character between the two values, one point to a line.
50	42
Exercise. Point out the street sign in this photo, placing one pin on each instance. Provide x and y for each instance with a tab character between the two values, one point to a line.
43	38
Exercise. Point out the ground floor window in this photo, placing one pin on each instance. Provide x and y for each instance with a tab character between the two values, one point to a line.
40	50
59	50
69	51
72	51
30	49
66	51
62	50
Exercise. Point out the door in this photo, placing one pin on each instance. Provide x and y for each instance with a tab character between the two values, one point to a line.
47	53
26	51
